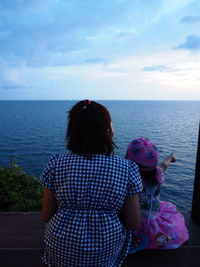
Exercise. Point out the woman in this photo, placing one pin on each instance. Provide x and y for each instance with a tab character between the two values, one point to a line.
86	191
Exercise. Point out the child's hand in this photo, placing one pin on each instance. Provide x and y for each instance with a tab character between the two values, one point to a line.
164	165
172	158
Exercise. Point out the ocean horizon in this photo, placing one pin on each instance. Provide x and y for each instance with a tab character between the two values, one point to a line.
34	130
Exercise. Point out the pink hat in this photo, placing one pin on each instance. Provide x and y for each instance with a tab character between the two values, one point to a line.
143	152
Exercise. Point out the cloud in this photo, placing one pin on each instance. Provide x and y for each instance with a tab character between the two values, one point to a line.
4	34
96	60
155	68
192	42
50	32
190	19
22	6
123	35
10	85
15	87
12	78
122	78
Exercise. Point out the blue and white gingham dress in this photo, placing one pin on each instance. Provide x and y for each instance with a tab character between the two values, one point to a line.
86	230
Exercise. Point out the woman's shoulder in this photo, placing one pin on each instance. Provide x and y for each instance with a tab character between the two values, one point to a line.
115	159
126	162
59	157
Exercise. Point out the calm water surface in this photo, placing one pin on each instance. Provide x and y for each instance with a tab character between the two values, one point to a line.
35	130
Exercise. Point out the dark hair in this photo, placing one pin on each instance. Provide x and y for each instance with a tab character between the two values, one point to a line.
149	177
89	129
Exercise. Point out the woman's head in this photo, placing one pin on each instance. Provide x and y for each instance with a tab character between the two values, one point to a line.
89	129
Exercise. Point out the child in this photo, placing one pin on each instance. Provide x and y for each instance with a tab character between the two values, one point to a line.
162	223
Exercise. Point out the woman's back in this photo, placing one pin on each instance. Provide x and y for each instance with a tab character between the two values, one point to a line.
90	192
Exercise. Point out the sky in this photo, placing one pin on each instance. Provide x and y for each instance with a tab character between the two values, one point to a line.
108	49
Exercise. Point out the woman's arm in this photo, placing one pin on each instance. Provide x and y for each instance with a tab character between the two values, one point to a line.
49	205
164	165
130	213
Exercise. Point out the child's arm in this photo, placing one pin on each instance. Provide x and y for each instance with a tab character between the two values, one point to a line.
164	165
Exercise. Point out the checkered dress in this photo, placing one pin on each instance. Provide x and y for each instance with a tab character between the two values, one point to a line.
86	230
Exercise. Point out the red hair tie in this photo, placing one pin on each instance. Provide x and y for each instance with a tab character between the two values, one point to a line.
86	103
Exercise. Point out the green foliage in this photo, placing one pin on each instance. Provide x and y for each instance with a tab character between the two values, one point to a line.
18	190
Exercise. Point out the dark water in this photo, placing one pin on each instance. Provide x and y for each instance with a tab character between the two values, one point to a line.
34	130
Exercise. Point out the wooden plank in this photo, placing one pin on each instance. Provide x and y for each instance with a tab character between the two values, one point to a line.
21	220
21	244
181	257
173	258
21	238
21	258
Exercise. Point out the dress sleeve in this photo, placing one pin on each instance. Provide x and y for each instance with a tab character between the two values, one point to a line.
134	180
48	174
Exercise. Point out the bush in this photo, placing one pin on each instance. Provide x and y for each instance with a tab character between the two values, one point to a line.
18	190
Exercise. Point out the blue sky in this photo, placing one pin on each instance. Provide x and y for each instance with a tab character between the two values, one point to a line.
108	49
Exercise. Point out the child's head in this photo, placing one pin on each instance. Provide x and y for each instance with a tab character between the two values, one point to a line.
145	153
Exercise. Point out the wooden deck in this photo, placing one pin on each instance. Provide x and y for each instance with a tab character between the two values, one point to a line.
21	245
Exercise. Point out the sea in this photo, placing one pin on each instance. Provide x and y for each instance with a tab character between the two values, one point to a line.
33	131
